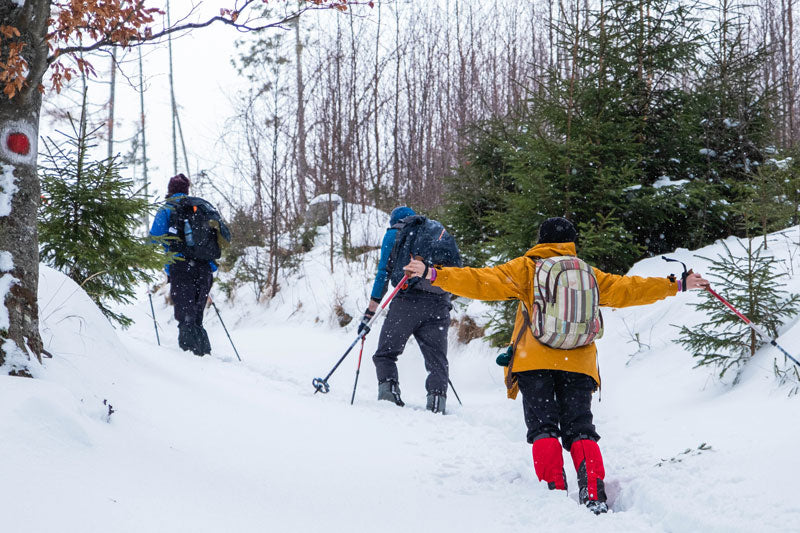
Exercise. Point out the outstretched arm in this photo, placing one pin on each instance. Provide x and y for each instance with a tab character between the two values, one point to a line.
502	282
624	291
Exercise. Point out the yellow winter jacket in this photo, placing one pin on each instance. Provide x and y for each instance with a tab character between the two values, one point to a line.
514	281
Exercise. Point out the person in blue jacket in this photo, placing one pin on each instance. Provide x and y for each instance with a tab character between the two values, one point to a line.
422	311
190	280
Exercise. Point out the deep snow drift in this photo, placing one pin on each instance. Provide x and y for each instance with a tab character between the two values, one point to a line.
211	444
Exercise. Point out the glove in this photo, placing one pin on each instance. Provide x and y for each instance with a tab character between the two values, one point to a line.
505	357
365	320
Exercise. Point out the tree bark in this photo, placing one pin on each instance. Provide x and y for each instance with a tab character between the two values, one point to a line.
111	98
19	198
302	161
144	139
792	87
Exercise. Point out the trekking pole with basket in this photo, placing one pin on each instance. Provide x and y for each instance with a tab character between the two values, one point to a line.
226	329
761	333
321	384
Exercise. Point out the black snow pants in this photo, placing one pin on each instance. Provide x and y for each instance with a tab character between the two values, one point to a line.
557	404
427	317
190	283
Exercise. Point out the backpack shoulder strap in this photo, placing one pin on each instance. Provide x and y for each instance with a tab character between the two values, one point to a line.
398	226
177	208
395	248
526	324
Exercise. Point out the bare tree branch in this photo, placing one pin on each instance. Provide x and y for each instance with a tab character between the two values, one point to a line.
156	37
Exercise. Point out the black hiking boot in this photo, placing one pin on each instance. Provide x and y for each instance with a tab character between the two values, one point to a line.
589	467
187	337
203	346
436	402
390	391
597	507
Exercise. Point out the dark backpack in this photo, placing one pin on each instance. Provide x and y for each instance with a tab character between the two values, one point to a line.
201	222
426	238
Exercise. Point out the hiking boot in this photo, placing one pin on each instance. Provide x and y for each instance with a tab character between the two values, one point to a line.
187	337
390	391
203	346
597	507
589	467
436	402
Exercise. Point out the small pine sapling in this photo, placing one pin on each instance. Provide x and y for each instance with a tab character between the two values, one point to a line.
88	223
751	283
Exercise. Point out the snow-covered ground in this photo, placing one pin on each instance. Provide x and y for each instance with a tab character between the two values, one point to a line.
214	445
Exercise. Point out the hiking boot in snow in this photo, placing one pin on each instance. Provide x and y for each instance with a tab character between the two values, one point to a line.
187	337
390	391
203	345
436	402
595	506
589	466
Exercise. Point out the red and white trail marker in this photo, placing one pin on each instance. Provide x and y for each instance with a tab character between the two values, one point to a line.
18	142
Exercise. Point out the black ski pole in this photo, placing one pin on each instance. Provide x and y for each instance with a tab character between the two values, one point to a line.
454	391
153	312
358	370
321	384
226	330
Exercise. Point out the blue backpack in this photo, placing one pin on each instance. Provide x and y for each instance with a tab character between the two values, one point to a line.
419	236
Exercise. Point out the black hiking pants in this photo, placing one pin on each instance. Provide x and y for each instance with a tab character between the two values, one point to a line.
427	317
190	282
557	404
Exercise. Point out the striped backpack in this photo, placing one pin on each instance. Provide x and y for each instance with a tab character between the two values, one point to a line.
566	304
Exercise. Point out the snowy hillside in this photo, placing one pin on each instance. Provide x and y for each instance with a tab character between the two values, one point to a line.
211	444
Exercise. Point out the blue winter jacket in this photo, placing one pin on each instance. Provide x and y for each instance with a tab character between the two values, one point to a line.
382	276
161	226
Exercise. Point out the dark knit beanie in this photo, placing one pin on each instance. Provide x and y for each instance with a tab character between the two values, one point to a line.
177	184
557	229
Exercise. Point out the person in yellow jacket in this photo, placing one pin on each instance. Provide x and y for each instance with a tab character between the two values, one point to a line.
556	384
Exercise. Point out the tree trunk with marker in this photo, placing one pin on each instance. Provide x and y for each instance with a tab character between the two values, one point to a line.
19	120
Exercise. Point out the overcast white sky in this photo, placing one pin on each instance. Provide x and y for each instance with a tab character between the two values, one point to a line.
205	85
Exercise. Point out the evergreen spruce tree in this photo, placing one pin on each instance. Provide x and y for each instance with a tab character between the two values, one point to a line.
610	139
750	282
89	219
475	190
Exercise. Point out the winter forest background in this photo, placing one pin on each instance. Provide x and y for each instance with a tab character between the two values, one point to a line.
652	124
674	110
657	126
